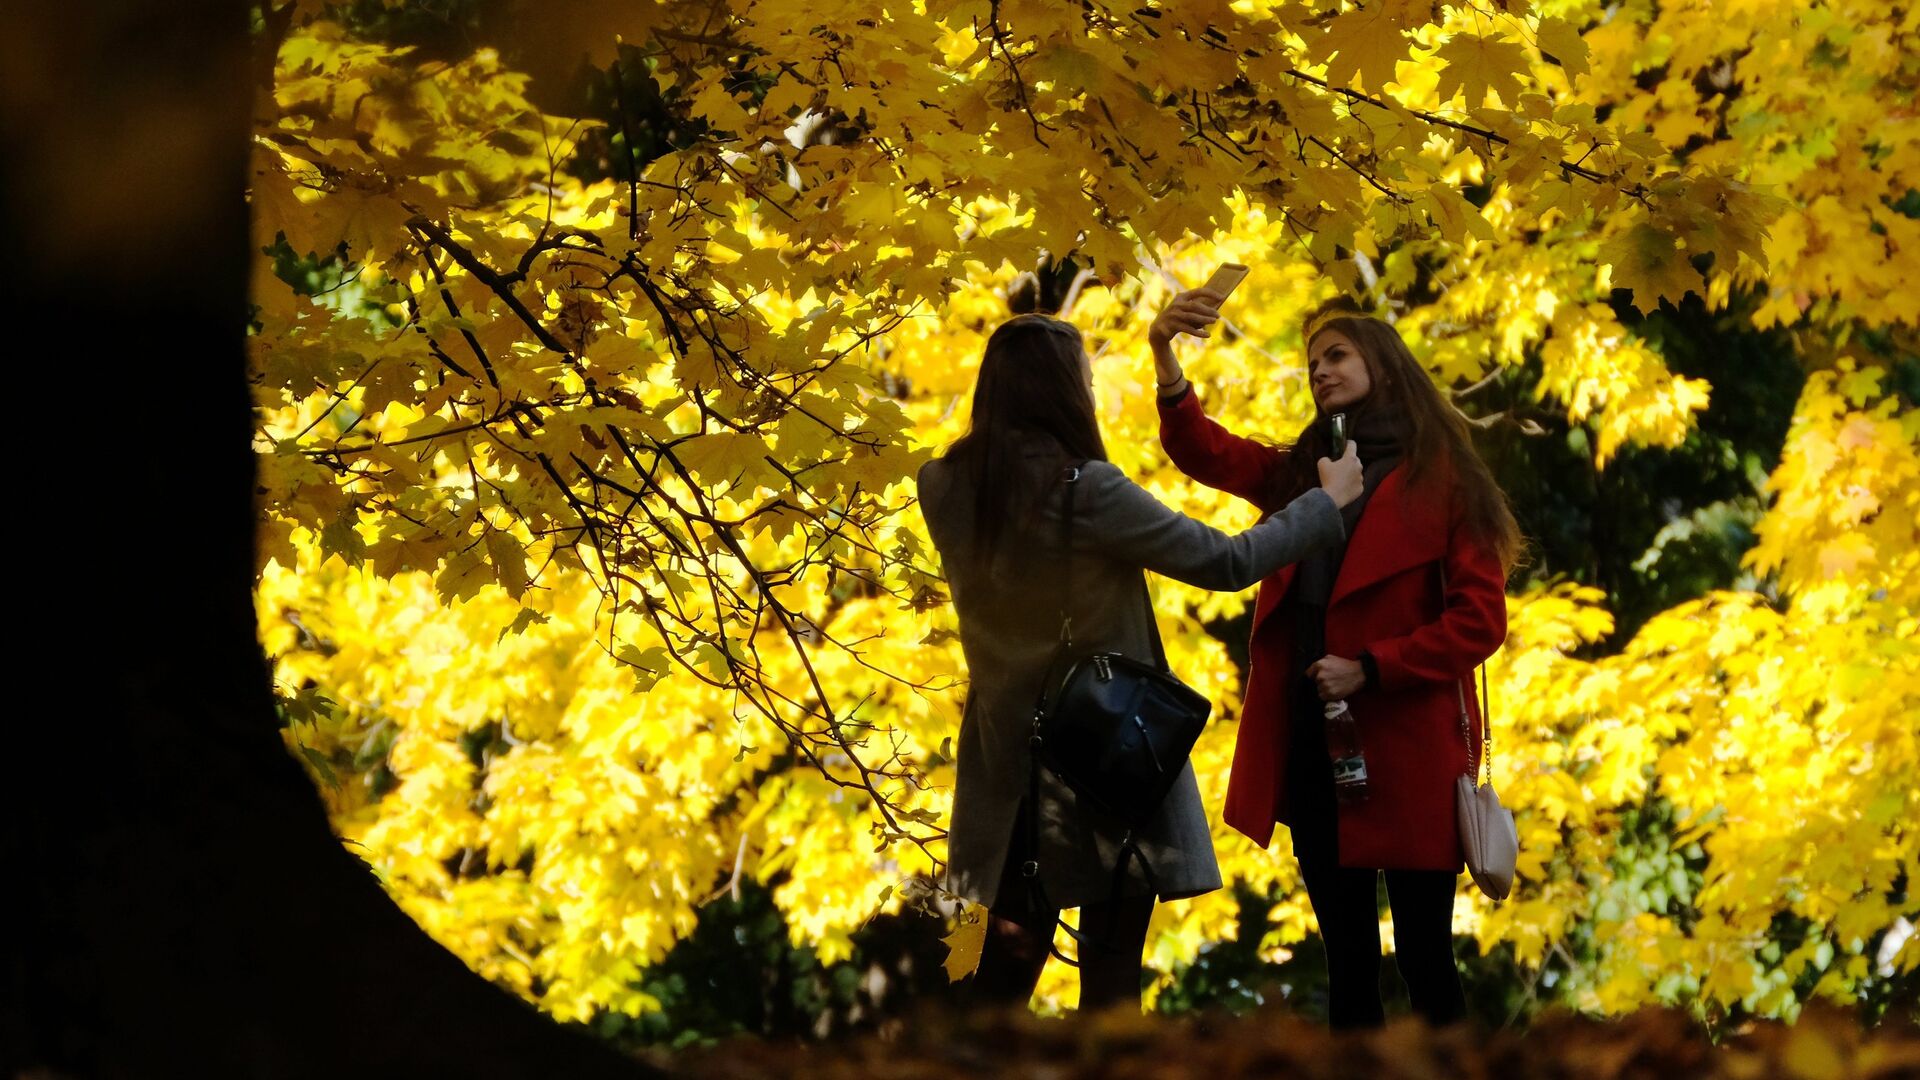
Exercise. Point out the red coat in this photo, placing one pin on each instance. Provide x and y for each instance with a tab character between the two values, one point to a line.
1387	599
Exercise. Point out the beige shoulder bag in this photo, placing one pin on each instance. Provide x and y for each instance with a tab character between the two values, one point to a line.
1487	835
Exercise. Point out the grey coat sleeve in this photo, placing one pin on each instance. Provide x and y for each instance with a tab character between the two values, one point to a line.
1117	518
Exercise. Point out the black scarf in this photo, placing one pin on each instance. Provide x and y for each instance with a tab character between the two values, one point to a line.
1380	435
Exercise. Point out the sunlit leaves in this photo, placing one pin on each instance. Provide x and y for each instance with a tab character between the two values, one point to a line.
1476	65
1847	493
1368	42
1807	102
593	492
1561	40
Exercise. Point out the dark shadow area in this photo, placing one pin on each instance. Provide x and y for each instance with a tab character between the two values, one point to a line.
739	974
190	913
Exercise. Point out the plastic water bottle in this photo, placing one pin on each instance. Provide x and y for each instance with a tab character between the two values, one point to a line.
1343	747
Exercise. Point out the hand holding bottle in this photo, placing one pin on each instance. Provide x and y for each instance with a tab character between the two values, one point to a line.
1343	479
1337	678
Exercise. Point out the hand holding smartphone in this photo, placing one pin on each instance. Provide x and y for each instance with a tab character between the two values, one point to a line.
1192	314
1225	279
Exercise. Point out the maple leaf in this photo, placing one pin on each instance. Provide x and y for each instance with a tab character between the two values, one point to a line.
964	943
1560	39
726	457
1648	261
527	617
1477	64
462	577
554	39
1366	43
509	561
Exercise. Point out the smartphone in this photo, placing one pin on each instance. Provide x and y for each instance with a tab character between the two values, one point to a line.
1339	423
1225	279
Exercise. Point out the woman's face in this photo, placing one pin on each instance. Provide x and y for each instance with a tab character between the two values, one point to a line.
1337	372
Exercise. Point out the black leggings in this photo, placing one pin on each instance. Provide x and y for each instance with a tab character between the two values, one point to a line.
1344	900
1017	947
1020	938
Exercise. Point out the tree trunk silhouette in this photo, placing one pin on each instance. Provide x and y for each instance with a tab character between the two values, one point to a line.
191	911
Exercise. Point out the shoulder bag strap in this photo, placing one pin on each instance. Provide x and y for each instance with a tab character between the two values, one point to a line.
1129	846
1486	722
1064	644
1072	479
1484	759
1030	866
1153	626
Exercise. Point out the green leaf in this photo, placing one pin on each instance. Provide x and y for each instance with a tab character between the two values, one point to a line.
342	539
711	658
653	660
321	765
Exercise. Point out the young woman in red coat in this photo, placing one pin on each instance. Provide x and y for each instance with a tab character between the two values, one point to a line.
1394	623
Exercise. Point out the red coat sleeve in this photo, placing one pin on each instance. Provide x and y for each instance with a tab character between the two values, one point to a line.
1471	627
1215	456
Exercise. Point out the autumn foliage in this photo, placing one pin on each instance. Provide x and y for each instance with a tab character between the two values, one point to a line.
1654	1043
591	373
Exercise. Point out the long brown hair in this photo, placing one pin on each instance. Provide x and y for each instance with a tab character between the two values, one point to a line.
1032	414
1438	443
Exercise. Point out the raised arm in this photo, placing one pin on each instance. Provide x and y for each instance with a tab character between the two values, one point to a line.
1199	447
1117	518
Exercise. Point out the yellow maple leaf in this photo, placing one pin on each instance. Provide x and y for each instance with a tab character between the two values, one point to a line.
1478	64
1647	260
1367	42
965	942
1562	40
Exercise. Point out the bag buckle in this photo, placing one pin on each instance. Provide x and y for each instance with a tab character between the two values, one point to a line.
1030	868
1103	668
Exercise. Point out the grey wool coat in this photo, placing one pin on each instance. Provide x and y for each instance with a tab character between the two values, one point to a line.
1009	616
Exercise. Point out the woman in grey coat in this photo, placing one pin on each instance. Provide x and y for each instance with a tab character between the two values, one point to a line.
995	504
